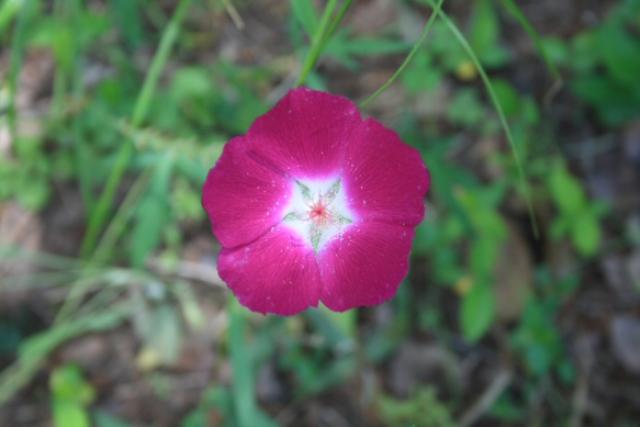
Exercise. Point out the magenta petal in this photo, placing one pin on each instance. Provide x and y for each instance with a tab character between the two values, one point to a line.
243	197
365	265
386	179
277	273
305	133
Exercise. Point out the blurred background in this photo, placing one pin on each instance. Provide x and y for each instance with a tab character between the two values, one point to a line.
111	310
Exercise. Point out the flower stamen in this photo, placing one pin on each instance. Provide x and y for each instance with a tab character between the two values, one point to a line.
317	215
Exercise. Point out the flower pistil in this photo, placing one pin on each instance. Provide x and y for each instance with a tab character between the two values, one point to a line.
317	214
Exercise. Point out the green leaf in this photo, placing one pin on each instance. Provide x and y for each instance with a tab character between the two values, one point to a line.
585	234
70	414
565	190
305	13
507	96
152	214
477	313
68	384
620	52
71	393
615	102
465	108
422	75
126	16
556	50
151	218
191	82
537	338
484	27
8	11
483	256
485	31
422	409
559	227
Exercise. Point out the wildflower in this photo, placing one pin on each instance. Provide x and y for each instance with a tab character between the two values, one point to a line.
315	204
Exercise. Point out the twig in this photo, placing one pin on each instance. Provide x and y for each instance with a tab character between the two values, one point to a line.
486	399
580	400
233	14
188	270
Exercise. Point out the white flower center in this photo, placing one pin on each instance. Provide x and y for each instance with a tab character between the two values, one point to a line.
317	211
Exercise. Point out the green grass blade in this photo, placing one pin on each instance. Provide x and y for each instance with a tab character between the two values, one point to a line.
243	383
159	61
498	107
317	43
8	11
105	247
103	206
15	63
408	59
72	11
121	219
34	351
336	21
518	15
10	254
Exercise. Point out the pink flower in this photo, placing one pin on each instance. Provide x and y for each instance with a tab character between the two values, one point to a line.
315	204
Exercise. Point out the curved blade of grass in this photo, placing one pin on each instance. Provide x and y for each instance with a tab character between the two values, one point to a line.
522	19
105	247
103	206
498	107
118	224
40	281
317	43
10	253
33	352
517	13
408	59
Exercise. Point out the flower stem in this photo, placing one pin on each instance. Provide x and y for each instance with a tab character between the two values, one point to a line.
409	58
318	42
334	24
141	107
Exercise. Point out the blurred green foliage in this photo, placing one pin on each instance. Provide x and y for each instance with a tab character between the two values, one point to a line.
71	395
199	104
606	63
422	410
